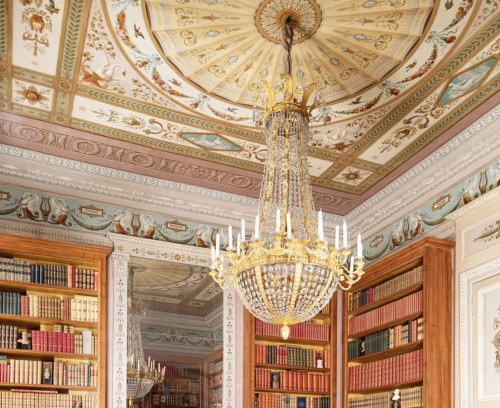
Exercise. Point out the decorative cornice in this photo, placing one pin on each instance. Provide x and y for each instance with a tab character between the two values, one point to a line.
483	139
38	231
478	202
446	230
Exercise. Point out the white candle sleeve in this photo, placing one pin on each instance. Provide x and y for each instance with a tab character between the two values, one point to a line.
243	230
217	245
288	226
320	226
230	233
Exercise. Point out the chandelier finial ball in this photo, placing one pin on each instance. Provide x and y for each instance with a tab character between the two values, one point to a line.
285	332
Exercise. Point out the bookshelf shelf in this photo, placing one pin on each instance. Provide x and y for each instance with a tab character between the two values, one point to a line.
29	269
271	359
396	322
401	385
295	392
40	287
386	300
301	342
395	351
44	354
30	322
290	367
415	282
47	387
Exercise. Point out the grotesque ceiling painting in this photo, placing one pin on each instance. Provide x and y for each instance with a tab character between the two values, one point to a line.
174	88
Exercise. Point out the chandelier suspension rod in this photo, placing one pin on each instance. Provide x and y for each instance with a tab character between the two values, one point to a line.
286	42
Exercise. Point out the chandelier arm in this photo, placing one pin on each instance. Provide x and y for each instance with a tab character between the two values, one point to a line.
286	41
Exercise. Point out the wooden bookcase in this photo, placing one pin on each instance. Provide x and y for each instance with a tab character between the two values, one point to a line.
80	308
182	387
297	373
214	367
403	302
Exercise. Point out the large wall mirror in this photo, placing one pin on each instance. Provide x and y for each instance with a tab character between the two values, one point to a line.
187	323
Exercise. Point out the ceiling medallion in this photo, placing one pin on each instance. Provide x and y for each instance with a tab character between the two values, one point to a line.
272	14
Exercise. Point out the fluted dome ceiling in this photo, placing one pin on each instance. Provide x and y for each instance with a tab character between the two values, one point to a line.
228	48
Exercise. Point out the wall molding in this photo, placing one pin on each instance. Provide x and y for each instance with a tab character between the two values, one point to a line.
466	315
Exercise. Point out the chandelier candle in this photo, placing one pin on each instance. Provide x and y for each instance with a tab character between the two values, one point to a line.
287	273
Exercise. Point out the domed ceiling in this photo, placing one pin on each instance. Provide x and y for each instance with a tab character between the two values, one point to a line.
168	88
229	48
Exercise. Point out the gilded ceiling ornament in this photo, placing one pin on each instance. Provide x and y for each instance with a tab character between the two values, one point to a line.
271	16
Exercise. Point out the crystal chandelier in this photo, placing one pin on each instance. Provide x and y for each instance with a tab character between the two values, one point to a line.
141	375
287	272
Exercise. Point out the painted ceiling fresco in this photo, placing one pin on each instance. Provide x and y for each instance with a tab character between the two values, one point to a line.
174	287
183	78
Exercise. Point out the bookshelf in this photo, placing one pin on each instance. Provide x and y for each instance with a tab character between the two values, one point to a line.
52	323
182	387
214	367
297	372
397	330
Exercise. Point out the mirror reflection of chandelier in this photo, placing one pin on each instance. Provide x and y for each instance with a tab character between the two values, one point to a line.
287	273
141	375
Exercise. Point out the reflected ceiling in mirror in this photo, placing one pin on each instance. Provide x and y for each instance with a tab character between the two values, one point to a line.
174	287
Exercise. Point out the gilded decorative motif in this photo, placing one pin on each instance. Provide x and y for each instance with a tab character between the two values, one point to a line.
271	15
32	95
352	175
